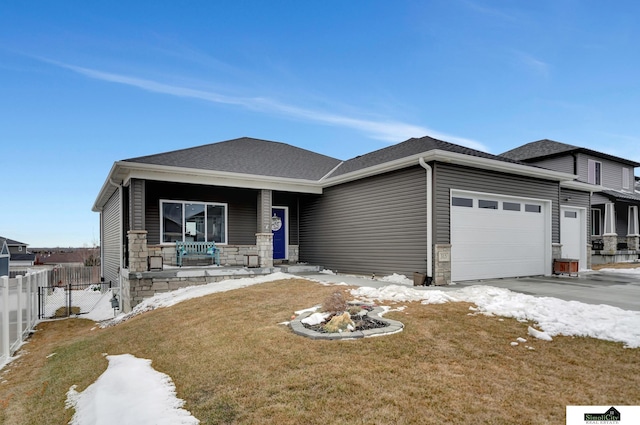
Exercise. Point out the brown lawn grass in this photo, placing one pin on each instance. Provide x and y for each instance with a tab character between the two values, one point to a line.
234	364
615	266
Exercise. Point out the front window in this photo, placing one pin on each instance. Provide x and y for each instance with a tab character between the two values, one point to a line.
596	222
193	221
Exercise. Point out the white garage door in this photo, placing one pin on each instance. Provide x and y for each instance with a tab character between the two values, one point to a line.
494	236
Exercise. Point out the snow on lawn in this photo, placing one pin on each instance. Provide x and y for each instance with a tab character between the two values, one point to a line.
130	391
552	315
624	271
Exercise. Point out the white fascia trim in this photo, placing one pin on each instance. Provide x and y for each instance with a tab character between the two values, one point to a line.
208	177
495	165
107	189
584	187
453	158
123	171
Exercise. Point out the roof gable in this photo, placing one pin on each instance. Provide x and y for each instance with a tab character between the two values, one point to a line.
11	242
548	148
409	148
248	156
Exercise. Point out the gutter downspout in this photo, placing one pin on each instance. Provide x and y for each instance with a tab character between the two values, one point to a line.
429	177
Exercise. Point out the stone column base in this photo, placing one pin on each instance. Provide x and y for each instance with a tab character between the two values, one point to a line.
138	251
264	242
610	243
633	242
442	269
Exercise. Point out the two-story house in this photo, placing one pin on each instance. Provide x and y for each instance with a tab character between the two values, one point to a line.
613	213
18	252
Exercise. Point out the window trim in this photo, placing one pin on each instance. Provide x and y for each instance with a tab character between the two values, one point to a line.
594	172
185	202
626	174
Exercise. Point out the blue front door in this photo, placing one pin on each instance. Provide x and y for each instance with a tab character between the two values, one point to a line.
279	230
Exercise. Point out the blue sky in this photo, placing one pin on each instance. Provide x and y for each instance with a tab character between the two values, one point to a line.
85	84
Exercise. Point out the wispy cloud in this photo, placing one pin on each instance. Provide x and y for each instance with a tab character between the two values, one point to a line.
490	11
386	130
534	64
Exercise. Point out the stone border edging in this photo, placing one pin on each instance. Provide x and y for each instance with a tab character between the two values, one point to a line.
393	326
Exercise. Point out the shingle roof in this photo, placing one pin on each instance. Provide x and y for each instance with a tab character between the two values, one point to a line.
11	242
548	148
408	148
622	196
23	257
248	156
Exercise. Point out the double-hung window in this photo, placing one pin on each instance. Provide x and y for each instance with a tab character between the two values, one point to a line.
193	221
594	172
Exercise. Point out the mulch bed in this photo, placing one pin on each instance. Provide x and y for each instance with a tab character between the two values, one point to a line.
362	323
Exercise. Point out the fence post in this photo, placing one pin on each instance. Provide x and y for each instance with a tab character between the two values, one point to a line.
43	283
19	312
5	317
30	278
69	304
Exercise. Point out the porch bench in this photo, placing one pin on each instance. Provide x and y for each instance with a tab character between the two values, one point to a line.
197	249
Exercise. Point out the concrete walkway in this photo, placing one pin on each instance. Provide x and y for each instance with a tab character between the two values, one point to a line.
615	289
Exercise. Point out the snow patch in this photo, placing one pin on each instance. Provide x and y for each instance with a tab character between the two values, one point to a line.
554	316
130	391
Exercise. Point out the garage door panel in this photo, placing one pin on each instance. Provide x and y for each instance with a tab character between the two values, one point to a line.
490	243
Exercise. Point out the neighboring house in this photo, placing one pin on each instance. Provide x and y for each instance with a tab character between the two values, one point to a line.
613	209
18	251
423	205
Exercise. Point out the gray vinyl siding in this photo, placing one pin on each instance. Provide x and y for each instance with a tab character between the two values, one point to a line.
112	238
576	198
447	177
265	201
241	214
136	204
611	172
564	164
290	200
622	221
374	225
597	199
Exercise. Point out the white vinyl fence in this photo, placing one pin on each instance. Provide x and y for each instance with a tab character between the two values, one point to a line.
18	309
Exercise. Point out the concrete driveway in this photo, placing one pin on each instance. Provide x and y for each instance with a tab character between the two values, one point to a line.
616	289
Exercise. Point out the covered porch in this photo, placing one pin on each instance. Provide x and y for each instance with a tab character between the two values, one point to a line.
615	227
147	274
